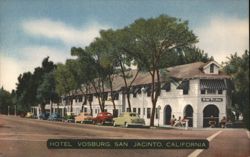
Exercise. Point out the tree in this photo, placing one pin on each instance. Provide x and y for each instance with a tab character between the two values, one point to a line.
153	43
65	81
84	63
24	94
28	84
117	60
192	54
6	101
238	68
45	90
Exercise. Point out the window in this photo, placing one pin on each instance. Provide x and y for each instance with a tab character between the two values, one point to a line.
185	91
127	109
115	96
139	111
134	110
90	97
203	91
85	109
134	95
167	87
104	96
95	110
220	91
149	93
212	68
211	91
148	112
80	99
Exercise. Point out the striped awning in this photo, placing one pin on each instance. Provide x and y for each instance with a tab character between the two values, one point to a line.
212	84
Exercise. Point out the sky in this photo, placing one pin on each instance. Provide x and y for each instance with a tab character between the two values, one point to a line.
31	30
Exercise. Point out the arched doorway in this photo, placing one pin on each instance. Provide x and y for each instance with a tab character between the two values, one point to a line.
210	110
167	115
188	112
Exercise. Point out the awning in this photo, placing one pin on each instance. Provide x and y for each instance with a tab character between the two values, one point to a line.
166	86
184	85
137	90
212	84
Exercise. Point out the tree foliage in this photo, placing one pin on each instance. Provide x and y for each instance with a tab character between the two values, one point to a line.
31	87
6	100
238	68
155	44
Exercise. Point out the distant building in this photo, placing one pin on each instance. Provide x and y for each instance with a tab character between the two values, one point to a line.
200	90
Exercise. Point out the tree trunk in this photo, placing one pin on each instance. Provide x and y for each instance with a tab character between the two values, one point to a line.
43	107
126	86
71	104
84	102
90	106
155	94
111	90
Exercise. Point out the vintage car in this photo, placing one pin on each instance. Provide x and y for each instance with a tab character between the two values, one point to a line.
29	115
84	117
44	116
69	117
55	117
103	118
128	119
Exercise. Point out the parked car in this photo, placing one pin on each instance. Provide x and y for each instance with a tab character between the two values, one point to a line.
70	117
84	117
29	115
103	118
44	116
55	117
129	119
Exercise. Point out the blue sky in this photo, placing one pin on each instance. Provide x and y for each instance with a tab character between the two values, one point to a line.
33	29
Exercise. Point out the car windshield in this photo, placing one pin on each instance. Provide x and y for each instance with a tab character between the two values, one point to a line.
86	114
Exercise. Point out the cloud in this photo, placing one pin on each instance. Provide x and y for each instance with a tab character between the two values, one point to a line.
224	36
61	31
11	68
9	71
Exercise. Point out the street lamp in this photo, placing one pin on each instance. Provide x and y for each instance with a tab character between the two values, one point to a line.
159	108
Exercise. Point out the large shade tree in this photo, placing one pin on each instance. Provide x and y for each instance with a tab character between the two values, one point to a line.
117	60
155	44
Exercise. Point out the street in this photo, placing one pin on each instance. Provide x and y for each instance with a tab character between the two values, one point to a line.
24	137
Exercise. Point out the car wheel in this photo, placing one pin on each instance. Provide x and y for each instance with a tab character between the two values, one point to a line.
126	124
102	122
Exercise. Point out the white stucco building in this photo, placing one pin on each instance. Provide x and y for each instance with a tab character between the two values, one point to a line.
200	90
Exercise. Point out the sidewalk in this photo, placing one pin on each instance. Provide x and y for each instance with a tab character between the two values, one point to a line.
190	128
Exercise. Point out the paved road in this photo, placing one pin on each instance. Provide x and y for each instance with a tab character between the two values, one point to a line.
27	138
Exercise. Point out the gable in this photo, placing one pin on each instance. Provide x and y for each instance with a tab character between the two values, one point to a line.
211	67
